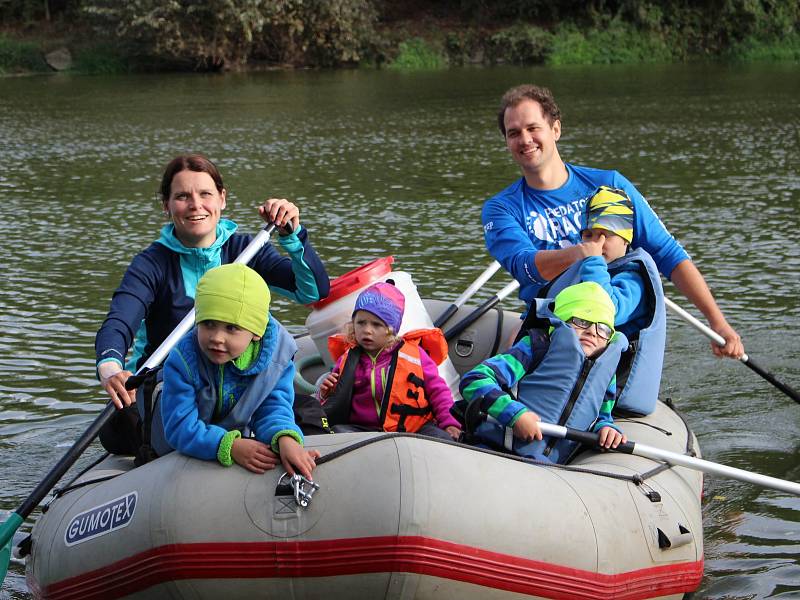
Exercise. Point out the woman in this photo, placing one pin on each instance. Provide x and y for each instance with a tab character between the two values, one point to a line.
158	288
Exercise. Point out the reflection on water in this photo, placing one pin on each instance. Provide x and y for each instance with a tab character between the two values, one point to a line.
387	163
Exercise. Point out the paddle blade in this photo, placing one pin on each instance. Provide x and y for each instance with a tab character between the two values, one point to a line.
7	531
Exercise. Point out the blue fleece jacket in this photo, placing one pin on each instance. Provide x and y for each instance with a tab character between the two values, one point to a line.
202	401
157	290
625	289
520	221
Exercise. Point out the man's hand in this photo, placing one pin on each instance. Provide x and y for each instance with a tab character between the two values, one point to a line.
593	247
733	347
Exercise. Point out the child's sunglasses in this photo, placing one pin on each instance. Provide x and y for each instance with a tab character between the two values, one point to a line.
603	331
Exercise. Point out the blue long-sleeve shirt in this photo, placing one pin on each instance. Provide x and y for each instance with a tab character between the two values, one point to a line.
520	221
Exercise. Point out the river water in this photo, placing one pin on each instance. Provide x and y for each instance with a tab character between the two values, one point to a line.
390	163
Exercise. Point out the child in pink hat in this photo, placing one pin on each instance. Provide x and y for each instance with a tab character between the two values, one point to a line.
386	382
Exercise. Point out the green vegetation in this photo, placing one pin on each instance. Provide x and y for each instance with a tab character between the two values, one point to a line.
17	56
618	44
228	34
754	50
101	59
520	45
207	35
417	54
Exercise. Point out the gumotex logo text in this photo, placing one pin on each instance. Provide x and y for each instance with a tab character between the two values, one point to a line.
101	520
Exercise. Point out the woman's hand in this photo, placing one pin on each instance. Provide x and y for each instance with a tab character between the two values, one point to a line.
610	438
527	427
113	378
328	385
294	456
280	211
253	455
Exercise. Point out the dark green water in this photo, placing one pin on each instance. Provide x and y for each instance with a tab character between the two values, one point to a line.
387	163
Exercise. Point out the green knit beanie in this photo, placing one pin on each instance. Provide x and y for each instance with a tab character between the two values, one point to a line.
587	300
233	293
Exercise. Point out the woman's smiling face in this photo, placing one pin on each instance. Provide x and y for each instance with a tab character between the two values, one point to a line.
195	207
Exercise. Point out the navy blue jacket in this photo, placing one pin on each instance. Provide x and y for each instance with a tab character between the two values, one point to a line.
157	290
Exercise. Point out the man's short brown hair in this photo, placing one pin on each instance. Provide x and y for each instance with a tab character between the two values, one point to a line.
518	94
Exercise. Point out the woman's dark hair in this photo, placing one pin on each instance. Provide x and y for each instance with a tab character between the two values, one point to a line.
188	162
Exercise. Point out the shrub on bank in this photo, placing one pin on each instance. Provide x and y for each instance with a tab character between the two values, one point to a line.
520	45
101	59
416	54
207	35
617	44
755	50
20	57
226	34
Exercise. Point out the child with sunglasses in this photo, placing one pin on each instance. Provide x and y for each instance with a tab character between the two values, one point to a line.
565	370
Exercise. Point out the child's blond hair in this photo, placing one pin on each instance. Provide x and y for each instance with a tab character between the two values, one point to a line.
350	335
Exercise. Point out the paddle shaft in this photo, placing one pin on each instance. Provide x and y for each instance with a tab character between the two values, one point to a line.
720	341
480	311
674	458
468	293
83	442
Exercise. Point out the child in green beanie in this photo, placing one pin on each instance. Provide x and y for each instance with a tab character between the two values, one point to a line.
231	377
565	371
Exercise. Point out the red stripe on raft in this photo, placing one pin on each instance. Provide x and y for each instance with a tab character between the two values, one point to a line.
355	556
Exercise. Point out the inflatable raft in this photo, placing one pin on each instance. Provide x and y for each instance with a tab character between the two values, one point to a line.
388	516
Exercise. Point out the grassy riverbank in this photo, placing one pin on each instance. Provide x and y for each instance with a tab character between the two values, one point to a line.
403	35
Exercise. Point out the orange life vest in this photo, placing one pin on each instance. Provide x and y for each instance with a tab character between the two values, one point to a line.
404	406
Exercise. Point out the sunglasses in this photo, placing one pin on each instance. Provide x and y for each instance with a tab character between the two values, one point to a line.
602	330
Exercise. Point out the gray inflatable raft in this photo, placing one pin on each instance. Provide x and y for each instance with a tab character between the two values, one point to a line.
394	516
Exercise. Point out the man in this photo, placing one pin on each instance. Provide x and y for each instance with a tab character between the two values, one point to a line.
533	227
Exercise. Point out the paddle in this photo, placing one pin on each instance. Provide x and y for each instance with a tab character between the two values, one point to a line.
720	341
480	311
468	293
10	526
673	458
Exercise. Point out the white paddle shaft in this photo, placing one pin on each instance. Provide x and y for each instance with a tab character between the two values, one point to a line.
698	464
699	325
477	284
